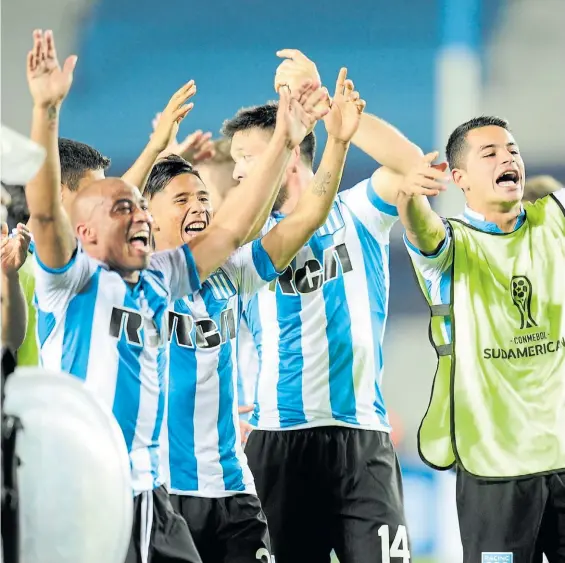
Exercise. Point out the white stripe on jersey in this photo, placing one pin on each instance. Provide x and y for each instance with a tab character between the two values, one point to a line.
319	334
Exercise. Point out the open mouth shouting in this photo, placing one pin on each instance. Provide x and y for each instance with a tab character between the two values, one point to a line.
140	241
509	179
194	227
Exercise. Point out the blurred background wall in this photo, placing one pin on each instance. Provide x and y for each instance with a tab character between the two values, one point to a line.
423	65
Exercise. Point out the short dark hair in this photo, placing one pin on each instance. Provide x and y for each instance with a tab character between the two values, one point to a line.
456	145
77	159
18	211
164	171
265	117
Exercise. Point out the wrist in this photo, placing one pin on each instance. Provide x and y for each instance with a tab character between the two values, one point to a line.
10	276
282	141
336	141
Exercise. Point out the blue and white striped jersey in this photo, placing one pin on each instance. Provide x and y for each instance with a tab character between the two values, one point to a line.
435	269
319	328
205	453
113	335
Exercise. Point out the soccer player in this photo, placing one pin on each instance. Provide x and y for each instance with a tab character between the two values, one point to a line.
324	465
494	280
211	484
102	313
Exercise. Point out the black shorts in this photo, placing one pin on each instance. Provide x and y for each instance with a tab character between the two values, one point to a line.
226	530
160	535
329	488
516	520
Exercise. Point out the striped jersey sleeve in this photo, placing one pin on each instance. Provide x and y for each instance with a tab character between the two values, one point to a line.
252	268
179	270
376	215
55	287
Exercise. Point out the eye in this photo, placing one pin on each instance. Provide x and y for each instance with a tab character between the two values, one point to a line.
488	155
123	207
515	151
181	200
204	198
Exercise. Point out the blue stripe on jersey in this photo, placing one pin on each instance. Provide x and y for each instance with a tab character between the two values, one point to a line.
182	402
76	343
253	320
376	289
380	203
340	344
193	276
262	261
45	325
233	473
291	362
128	381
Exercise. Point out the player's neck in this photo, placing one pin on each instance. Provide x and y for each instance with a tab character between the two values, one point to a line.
504	217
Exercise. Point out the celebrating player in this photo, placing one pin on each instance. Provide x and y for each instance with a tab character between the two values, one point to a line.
211	483
324	465
494	280
101	313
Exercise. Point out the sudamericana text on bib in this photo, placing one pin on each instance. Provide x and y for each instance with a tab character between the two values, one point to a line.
498	399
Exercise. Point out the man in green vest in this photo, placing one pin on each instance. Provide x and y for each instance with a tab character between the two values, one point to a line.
494	278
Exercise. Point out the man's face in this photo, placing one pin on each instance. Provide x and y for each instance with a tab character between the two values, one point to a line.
181	211
246	147
120	226
494	170
68	196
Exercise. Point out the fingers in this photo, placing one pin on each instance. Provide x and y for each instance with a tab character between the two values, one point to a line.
50	51
4	230
181	96
245	408
284	96
304	92
37	48
293	54
430	157
340	82
182	112
317	96
70	64
361	104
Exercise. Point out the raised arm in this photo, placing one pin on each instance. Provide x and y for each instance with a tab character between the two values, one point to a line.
49	85
283	242
424	228
380	140
14	309
175	111
232	224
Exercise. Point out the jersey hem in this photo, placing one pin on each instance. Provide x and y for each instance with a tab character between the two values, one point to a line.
326	422
212	494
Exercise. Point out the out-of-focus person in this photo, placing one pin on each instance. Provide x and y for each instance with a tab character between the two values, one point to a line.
540	186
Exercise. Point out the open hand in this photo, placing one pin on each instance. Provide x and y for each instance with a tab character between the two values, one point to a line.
166	128
298	113
346	108
197	147
48	83
14	249
426	178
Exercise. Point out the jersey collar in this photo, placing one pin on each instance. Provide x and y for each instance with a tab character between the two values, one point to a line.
478	221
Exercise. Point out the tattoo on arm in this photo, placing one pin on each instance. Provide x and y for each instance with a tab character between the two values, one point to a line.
51	114
320	187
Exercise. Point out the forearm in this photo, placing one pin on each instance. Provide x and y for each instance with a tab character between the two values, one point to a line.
385	144
251	202
54	238
43	192
139	171
284	241
14	312
424	227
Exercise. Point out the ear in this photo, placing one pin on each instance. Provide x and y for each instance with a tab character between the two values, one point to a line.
459	178
294	160
86	234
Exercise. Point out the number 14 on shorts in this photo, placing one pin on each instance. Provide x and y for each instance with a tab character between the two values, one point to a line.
399	546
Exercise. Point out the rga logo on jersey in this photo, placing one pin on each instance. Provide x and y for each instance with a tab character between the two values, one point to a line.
130	322
313	275
521	291
532	342
497	557
201	333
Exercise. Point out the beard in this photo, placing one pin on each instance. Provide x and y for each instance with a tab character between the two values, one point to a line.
282	197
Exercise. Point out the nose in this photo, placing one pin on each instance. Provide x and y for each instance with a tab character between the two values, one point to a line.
238	172
142	215
508	157
197	207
